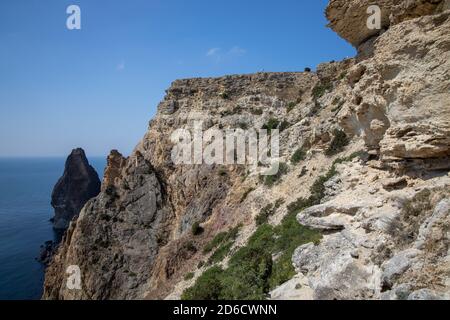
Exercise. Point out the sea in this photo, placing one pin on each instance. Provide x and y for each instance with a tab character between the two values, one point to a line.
26	185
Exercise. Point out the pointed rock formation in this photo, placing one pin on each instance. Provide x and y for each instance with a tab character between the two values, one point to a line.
78	184
115	164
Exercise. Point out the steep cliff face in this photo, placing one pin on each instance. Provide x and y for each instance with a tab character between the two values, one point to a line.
387	223
397	98
135	237
78	184
116	236
380	202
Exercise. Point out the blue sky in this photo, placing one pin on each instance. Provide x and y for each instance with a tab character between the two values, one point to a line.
98	87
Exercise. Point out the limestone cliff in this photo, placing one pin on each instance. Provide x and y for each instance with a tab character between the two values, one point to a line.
366	157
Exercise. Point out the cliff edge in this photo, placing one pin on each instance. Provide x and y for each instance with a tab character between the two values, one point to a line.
358	210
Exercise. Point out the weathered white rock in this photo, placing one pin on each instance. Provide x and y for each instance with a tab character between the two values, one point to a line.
295	289
397	265
434	224
426	294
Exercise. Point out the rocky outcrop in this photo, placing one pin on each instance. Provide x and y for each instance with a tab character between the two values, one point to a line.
78	184
398	99
349	18
115	239
380	201
114	165
378	246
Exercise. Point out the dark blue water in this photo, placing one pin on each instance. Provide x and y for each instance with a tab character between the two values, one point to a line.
25	210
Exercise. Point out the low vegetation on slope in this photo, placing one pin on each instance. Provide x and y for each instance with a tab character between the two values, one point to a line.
252	271
265	262
272	180
339	142
267	212
222	244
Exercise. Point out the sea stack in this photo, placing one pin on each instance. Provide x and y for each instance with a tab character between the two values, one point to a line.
78	184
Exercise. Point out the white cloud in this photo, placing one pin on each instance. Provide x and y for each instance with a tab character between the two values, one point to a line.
212	52
237	51
217	54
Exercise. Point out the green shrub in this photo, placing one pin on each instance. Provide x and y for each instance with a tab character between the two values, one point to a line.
264	214
299	155
282	270
307	69
217	240
207	287
189	246
320	89
291	106
251	272
196	229
339	142
271	180
224	95
267	212
189	276
247	278
223	172
222	237
299	205
271	124
243	125
246	193
317	190
354	155
284	125
405	228
303	172
289	236
220	253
